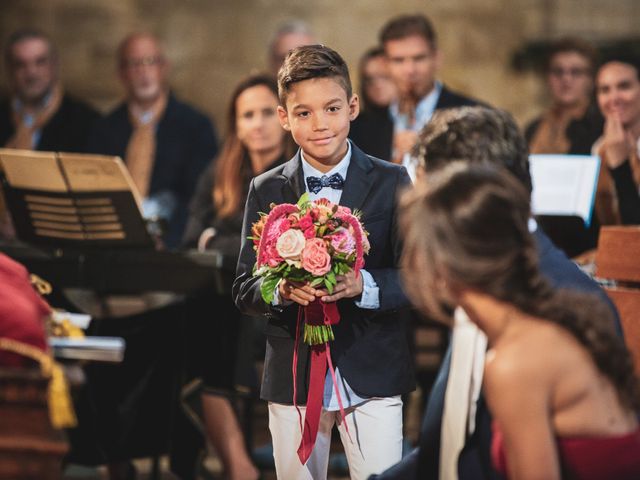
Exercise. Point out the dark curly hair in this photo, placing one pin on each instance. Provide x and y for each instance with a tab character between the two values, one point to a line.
469	226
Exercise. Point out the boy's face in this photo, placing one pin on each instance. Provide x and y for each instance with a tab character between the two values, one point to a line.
318	115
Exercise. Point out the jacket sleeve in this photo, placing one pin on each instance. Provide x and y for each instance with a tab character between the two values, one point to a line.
388	279
246	287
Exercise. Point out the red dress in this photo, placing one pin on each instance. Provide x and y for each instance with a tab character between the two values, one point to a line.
588	458
22	311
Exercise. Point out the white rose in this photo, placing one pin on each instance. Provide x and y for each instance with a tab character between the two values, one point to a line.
290	244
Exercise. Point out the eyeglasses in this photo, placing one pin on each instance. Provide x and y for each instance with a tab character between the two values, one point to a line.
151	61
576	72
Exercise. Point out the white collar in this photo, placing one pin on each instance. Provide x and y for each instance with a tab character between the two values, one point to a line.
341	167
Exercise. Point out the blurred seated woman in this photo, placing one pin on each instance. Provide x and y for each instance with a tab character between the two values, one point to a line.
558	381
570	125
377	91
222	340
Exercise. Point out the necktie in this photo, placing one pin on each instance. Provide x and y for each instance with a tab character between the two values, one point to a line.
316	184
469	345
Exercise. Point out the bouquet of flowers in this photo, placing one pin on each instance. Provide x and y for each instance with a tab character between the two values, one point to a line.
309	242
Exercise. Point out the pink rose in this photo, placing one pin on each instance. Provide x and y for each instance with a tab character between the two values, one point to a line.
315	258
342	241
290	244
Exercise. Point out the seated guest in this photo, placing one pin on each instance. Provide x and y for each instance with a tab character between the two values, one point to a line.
618	92
22	312
569	412
377	92
411	48
446	448
39	115
254	143
165	143
570	125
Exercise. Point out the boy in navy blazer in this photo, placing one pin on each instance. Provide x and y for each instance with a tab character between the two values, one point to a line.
370	350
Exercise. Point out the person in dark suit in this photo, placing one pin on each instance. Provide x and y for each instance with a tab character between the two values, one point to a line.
411	50
478	135
370	351
39	115
165	143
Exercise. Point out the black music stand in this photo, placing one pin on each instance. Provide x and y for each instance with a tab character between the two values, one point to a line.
72	200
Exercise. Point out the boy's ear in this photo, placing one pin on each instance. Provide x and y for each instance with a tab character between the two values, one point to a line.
354	106
284	118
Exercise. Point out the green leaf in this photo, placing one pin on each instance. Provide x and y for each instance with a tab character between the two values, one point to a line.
317	281
267	288
331	277
328	285
304	198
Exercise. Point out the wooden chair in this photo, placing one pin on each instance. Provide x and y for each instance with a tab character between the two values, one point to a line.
618	260
29	446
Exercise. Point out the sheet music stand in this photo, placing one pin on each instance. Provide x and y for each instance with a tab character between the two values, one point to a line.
64	199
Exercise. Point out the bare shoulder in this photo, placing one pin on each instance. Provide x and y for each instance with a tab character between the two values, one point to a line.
527	359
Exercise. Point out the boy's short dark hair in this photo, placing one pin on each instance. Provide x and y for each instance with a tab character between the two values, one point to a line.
312	61
407	26
573	45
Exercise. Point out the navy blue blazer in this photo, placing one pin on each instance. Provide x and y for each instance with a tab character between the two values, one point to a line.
475	459
370	347
186	143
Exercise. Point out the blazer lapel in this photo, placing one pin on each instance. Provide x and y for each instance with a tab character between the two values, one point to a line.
358	181
293	186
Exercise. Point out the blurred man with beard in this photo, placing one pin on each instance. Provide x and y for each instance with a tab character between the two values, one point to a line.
411	49
166	144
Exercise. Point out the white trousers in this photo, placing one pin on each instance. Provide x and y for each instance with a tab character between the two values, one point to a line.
375	427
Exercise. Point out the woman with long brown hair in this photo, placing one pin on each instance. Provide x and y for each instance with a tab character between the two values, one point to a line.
558	381
255	142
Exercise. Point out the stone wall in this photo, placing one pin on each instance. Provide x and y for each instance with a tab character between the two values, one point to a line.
212	43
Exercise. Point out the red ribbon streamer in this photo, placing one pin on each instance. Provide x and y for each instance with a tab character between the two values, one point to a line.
316	313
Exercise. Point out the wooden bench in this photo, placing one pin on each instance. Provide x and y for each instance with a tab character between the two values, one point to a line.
618	260
30	448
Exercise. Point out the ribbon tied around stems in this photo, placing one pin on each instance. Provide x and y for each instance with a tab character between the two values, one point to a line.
318	318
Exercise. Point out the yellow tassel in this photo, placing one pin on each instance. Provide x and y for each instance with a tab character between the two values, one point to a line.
61	411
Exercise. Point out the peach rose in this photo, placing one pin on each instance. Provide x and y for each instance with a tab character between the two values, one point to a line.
315	258
290	244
